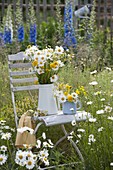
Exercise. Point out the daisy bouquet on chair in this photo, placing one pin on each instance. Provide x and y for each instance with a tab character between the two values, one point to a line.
46	63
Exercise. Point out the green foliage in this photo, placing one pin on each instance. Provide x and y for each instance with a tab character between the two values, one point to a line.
47	33
59	27
8	19
19	16
31	13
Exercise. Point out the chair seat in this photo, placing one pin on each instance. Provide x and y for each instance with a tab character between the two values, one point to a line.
60	118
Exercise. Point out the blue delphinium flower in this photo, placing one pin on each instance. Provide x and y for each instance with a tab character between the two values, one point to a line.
20	33
69	35
7	36
33	33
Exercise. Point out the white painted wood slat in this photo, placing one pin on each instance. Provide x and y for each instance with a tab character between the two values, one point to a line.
60	118
24	80
20	65
22	88
21	73
16	57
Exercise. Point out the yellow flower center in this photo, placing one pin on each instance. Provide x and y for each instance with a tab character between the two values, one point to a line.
29	163
20	156
69	98
34	63
1	159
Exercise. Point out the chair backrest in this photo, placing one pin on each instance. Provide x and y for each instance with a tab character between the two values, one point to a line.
21	79
20	76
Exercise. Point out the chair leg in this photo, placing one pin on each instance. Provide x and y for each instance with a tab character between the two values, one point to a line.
37	127
14	108
73	143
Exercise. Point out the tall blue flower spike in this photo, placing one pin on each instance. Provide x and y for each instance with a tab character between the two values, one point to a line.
69	34
33	33
20	33
7	36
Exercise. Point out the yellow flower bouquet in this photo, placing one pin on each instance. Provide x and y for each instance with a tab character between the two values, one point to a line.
64	93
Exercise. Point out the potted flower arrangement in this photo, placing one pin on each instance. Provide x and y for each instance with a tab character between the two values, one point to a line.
68	98
46	64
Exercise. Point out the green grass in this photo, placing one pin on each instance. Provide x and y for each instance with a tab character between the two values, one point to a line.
98	155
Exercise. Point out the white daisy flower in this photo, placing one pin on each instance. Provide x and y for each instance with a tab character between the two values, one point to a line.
20	157
93	72
108	109
111	164
69	137
43	153
97	93
79	136
89	103
41	63
45	144
38	145
44	135
110	117
74	95
3	148
100	112
50	142
59	50
3	159
73	122
30	163
6	136
93	83
92	119
62	98
102	100
54	78
61	64
91	138
100	129
29	154
81	130
39	70
46	161
108	68
71	133
6	127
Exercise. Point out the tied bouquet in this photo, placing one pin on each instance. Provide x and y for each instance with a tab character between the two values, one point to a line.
65	92
46	63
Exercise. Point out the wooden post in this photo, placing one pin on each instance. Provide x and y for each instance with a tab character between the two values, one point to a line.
26	9
14	10
111	26
38	11
45	9
52	7
98	13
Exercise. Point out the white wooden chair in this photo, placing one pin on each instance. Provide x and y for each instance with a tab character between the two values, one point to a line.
17	69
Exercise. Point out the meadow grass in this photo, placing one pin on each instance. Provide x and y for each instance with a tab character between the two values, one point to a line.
94	137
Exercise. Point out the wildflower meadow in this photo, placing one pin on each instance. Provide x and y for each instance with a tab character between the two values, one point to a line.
81	68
